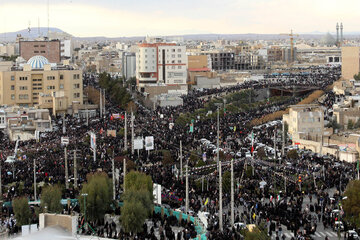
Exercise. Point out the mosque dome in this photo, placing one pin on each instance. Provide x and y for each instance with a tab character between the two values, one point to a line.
37	62
328	40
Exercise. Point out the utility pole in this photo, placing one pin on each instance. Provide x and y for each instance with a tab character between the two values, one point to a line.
64	128
181	157
34	180
220	178
113	175
187	189
124	166
125	134
75	171
132	133
104	103
232	192
283	141
100	103
66	170
275	143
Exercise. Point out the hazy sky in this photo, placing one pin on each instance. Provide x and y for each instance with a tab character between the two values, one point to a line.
114	18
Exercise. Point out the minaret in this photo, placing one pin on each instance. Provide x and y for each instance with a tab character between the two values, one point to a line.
337	33
341	33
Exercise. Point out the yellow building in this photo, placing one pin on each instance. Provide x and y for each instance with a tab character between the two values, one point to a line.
305	121
38	82
350	62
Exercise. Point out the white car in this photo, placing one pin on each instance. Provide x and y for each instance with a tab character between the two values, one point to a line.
353	234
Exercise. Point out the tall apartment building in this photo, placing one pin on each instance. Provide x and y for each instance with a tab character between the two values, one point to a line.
161	63
350	62
51	50
38	82
128	65
221	60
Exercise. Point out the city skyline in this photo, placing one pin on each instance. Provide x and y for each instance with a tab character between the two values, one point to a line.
123	18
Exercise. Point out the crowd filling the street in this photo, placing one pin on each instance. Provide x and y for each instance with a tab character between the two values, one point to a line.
267	181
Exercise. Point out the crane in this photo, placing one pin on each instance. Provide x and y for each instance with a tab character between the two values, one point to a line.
291	35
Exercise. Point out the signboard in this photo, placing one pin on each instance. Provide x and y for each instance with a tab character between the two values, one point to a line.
116	115
93	140
111	133
149	143
65	140
157	193
138	143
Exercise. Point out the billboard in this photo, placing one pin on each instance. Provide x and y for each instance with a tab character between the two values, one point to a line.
138	143
157	193
149	143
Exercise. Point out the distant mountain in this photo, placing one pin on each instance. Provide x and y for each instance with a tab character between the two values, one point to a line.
34	33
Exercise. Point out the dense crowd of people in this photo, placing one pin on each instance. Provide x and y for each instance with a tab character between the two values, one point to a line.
253	205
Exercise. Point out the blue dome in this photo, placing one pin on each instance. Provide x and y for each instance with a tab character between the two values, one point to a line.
37	62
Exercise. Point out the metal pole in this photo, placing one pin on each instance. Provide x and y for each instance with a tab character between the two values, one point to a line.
34	179
220	179
132	133
232	192
100	103
66	170
124	166
64	129
125	133
187	189
181	163
202	184
0	179
283	140
285	185
113	175
104	103
275	143
75	171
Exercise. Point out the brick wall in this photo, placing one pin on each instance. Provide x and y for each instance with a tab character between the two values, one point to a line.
48	49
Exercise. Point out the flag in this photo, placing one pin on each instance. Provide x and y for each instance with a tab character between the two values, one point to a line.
207	201
252	142
278	198
234	128
253	216
357	165
271	198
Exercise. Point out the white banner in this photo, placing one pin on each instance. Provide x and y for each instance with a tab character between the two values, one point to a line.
157	193
93	140
149	143
138	143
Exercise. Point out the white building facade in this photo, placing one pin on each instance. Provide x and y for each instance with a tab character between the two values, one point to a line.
161	63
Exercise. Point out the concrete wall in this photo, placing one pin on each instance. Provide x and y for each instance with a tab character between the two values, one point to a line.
350	61
65	221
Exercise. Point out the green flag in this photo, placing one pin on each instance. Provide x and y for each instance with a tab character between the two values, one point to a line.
357	165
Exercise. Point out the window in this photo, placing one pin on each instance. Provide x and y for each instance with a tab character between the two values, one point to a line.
179	55
12	87
179	67
179	49
173	61
179	61
12	78
12	96
173	50
23	88
61	86
36	45
42	51
61	77
50	77
36	51
172	55
23	78
50	87
42	46
76	76
76	95
23	96
77	85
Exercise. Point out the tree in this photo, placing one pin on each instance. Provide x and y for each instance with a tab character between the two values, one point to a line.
99	190
21	210
256	234
261	153
351	204
293	154
333	124
350	124
138	201
226	182
50	198
357	76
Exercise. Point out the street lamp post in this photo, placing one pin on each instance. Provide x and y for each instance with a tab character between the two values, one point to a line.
219	166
